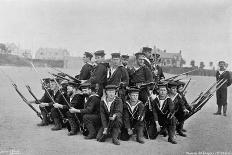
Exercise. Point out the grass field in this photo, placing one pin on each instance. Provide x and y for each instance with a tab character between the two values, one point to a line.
19	133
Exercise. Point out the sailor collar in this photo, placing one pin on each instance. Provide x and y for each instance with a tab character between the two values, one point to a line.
108	104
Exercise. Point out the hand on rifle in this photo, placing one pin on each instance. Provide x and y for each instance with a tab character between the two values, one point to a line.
186	111
130	132
44	104
113	117
140	118
105	131
157	126
73	110
83	81
57	105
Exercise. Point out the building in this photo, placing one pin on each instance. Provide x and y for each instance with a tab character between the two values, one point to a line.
170	59
51	54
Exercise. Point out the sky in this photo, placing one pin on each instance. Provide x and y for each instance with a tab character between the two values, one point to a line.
200	29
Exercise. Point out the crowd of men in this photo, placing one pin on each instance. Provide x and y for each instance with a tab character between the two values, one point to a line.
116	100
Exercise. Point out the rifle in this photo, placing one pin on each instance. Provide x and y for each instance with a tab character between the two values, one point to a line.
174	77
58	76
205	98
71	77
186	85
65	121
37	101
22	96
81	126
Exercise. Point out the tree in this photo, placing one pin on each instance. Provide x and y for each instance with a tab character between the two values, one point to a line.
202	65
210	64
192	63
182	62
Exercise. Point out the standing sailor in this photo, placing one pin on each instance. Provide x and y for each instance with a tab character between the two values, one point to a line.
86	70
99	76
221	93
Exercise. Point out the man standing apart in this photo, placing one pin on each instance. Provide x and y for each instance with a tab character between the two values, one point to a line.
221	93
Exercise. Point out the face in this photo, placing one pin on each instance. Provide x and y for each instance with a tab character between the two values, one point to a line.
111	93
147	54
181	88
140	61
86	91
70	90
222	65
85	59
53	85
124	62
115	61
134	96
99	59
173	90
162	91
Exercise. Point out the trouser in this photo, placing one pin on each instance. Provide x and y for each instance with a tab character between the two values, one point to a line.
92	123
138	126
46	113
57	114
221	95
115	129
168	124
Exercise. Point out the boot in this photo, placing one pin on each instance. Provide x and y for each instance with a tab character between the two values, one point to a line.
171	133
58	125
115	134
45	121
92	131
163	131
219	110
181	133
140	135
73	126
224	109
179	129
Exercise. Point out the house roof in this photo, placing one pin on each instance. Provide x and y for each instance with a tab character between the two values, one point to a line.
168	55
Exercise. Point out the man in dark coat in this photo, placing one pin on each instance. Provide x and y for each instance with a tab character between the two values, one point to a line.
45	110
151	61
118	75
221	93
86	70
163	112
76	100
91	110
141	74
58	112
133	116
111	109
99	76
180	90
179	107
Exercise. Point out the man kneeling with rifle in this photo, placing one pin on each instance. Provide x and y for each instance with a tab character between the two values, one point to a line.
163	111
91	110
133	115
111	108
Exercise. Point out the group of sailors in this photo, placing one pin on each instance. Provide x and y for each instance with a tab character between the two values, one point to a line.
112	99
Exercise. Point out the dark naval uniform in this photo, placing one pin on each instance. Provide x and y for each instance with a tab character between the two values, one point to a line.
86	71
58	114
132	120
106	112
99	77
45	111
140	76
76	101
179	108
119	78
91	115
164	115
221	93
